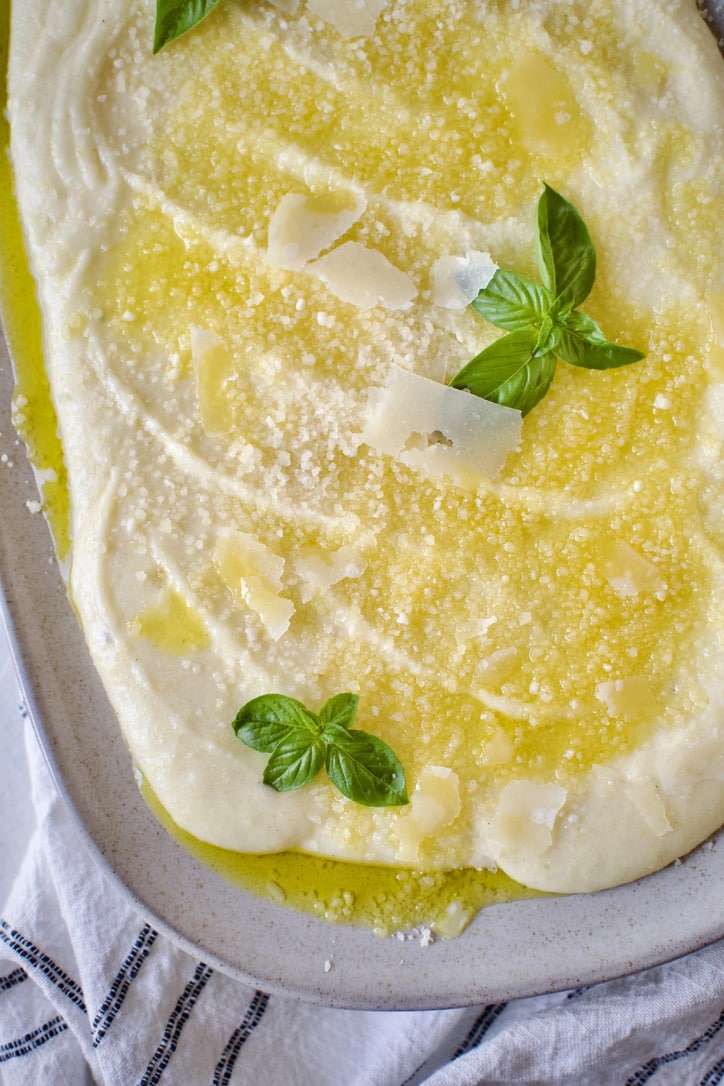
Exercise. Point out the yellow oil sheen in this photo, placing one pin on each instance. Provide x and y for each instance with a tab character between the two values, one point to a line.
172	626
386	899
546	116
33	412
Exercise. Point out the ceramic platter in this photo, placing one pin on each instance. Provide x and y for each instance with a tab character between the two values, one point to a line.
510	950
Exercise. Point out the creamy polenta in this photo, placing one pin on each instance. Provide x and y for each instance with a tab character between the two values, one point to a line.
254	253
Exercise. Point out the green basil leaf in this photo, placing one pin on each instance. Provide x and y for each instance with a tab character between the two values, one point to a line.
296	761
542	320
301	742
582	343
497	364
341	710
512	301
566	256
364	768
509	372
175	17
548	335
268	720
528	387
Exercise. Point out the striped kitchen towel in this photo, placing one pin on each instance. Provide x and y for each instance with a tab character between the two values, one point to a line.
90	992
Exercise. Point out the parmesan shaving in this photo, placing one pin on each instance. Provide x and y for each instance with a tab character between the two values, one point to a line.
322	569
350	18
628	573
456	280
253	575
438	430
214	371
364	277
434	804
526	814
627	698
304	226
648	801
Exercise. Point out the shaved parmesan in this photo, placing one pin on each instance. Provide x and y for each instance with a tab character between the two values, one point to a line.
439	430
253	575
434	804
498	749
526	814
214	371
322	569
642	792
628	573
304	226
627	698
351	18
648	801
364	277
456	280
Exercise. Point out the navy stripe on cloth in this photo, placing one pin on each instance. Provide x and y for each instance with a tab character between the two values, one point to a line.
479	1028
714	1075
474	1036
32	1041
252	1018
16	977
26	950
649	1069
177	1020
122	982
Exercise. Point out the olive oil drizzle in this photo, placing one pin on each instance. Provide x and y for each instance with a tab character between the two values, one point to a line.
33	411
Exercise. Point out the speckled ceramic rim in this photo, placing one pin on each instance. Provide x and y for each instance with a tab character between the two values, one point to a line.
509	951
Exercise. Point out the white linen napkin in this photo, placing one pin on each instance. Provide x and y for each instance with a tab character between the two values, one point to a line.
91	993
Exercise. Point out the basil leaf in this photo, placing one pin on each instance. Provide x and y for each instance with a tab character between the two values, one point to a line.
364	768
517	369
296	761
497	364
528	387
175	17
341	710
512	301
268	720
582	343
301	742
566	256
549	334
509	372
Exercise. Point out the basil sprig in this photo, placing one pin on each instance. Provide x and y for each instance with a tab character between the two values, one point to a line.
541	318
301	743
175	17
